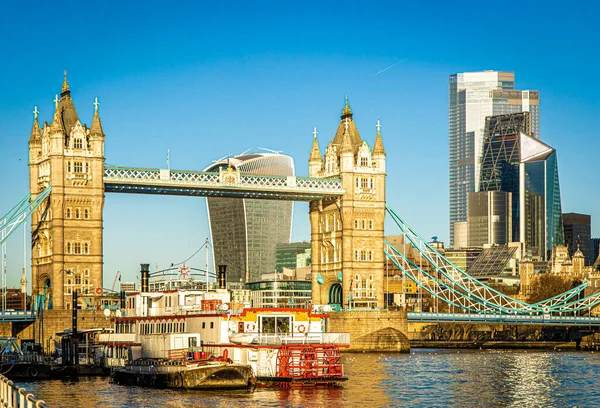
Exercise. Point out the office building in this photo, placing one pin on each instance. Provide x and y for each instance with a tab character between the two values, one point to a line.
578	234
490	218
127	286
245	232
473	96
594	249
292	256
519	197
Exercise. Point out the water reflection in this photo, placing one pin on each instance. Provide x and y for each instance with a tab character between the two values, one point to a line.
423	378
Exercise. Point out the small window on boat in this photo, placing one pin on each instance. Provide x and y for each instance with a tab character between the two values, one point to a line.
169	327
164	328
212	325
192	342
204	325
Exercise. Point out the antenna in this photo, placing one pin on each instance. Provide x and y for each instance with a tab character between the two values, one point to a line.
271	151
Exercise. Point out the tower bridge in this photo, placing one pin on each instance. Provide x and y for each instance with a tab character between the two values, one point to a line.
346	189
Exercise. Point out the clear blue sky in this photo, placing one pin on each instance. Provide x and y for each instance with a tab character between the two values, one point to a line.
207	79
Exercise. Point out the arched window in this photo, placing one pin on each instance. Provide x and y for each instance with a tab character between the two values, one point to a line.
68	247
77	213
86	248
68	213
86	213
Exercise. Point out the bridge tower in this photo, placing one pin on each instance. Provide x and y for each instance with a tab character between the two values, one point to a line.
347	233
66	229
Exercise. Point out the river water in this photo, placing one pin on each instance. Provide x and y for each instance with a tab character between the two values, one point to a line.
423	378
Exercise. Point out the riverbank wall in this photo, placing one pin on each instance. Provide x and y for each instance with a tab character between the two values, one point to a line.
372	330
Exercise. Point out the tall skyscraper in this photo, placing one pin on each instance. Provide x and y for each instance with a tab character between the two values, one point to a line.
578	233
473	97
595	249
519	197
245	231
540	214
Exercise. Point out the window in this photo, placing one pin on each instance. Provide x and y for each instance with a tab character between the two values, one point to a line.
370	224
212	325
77	280
364	161
77	248
68	247
68	213
68	167
86	248
78	167
87	167
204	325
78	143
86	272
77	213
86	213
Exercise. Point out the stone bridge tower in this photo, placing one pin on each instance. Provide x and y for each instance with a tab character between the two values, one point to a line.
67	228
347	233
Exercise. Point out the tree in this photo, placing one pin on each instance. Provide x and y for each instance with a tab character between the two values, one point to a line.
547	285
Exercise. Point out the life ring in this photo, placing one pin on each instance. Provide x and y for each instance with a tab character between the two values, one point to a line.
251	327
32	372
301	328
98	291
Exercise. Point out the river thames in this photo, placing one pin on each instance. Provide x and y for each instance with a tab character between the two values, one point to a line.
423	378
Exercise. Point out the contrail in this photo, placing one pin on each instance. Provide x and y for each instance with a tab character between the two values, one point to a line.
391	66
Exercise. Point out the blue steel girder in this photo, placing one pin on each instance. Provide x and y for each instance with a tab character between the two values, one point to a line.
441	292
213	184
561	298
441	288
475	318
19	214
466	282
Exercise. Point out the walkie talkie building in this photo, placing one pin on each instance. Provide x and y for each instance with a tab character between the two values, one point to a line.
244	231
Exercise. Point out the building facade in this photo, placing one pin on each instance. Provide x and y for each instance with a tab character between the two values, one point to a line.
67	227
245	232
292	256
578	233
347	233
473	96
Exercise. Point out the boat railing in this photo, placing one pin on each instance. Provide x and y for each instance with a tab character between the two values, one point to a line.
301	338
115	362
13	396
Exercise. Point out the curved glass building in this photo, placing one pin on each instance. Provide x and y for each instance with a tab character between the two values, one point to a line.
245	232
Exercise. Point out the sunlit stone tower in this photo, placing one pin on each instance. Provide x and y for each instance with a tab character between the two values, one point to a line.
67	227
347	233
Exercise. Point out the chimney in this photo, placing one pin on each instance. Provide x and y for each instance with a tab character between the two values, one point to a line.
145	272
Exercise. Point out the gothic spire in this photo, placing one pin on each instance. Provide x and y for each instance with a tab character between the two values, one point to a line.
65	85
378	146
96	128
67	109
57	122
346	110
315	152
36	133
346	141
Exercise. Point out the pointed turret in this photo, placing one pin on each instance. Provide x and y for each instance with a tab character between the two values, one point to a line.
36	133
96	128
378	146
346	142
355	139
57	122
314	160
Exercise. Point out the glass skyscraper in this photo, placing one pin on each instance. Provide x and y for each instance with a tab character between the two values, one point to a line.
245	232
473	96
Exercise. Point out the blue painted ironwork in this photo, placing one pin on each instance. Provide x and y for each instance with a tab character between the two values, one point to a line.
499	318
20	212
458	289
223	184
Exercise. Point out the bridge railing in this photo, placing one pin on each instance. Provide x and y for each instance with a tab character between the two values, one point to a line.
13	396
149	176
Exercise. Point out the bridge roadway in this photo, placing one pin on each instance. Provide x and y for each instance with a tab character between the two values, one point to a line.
227	183
489	318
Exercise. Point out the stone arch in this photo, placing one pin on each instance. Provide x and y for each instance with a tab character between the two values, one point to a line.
335	294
